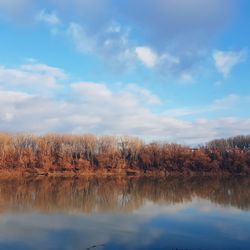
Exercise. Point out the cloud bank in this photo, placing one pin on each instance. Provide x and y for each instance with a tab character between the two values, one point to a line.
93	107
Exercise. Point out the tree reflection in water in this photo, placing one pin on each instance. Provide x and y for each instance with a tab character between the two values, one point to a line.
89	195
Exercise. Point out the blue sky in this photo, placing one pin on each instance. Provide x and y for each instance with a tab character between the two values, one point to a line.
169	70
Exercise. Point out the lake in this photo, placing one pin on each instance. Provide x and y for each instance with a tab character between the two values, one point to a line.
193	213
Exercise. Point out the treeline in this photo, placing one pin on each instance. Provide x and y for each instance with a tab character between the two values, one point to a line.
238	142
88	154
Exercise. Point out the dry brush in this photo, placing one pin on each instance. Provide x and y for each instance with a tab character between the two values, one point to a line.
89	154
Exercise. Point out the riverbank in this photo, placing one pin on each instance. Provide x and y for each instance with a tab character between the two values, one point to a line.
20	173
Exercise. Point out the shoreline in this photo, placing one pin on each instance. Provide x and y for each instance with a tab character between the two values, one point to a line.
129	173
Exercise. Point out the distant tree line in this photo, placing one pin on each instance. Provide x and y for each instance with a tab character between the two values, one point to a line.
238	142
89	154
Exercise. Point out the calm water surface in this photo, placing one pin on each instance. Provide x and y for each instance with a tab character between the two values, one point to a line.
125	213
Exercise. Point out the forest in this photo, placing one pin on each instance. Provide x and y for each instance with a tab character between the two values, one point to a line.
58	154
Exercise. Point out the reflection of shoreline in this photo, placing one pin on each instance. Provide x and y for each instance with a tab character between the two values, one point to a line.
90	195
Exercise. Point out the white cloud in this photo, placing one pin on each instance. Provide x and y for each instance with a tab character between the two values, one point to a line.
50	18
152	59
95	108
113	46
33	75
12	96
92	90
225	61
147	56
7	99
145	93
44	69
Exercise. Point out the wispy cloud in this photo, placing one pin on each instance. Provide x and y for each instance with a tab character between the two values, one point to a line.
225	61
111	45
176	34
220	104
48	17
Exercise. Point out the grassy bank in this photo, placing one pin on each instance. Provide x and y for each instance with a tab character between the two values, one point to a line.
106	155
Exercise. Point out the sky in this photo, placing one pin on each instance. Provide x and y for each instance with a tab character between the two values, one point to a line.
167	70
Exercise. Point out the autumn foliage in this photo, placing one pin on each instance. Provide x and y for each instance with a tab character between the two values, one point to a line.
89	154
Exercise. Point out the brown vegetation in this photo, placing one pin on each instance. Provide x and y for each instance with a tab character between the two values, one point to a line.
88	154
